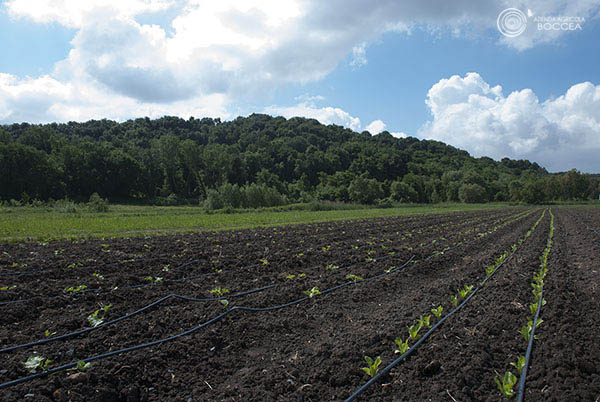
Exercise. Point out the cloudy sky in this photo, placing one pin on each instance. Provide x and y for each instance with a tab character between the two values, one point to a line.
432	69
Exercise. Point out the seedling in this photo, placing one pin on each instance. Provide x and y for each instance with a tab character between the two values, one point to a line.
312	292
424	321
372	366
264	261
464	292
166	268
506	384
97	317
81	366
331	267
402	346
302	275
490	270
153	280
48	333
413	331
454	300
369	259
98	276
519	364
437	312
75	289
354	278
219	291
290	276
8	287
36	362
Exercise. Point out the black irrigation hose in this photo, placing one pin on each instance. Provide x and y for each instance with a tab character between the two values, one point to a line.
523	374
129	315
177	336
428	333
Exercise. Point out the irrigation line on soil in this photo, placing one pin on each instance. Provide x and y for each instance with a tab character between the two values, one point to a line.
523	374
428	333
129	315
177	336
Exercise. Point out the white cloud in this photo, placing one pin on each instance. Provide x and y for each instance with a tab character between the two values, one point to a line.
375	127
559	134
359	55
325	115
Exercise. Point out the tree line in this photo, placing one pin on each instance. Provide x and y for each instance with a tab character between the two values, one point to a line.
259	160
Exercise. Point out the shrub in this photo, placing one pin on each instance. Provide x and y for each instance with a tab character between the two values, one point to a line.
97	203
472	193
66	206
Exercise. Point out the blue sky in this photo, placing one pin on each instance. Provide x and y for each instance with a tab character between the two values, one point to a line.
413	68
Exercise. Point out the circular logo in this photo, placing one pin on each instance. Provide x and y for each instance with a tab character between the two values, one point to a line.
512	22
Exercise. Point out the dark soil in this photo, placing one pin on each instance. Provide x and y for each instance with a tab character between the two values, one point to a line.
313	350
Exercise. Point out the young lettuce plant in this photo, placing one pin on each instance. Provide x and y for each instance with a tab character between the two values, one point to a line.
454	300
312	292
413	331
36	362
354	278
372	366
437	312
221	292
519	364
402	346
506	384
97	317
425	321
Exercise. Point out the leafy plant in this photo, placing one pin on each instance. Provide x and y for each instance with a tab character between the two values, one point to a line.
98	276
97	317
413	331
312	292
506	384
36	362
437	312
81	366
290	276
264	261
464	292
219	291
354	278
166	268
519	364
75	289
372	366
424	321
402	346
331	267
454	300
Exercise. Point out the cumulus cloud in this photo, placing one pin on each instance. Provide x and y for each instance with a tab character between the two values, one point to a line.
557	133
239	50
375	127
325	115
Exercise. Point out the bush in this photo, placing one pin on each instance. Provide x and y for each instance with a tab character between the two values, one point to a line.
97	203
365	191
403	192
66	206
214	200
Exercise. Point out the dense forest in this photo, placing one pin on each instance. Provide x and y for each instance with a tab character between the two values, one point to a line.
259	161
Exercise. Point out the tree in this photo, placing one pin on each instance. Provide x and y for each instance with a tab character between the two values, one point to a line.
364	190
402	192
472	193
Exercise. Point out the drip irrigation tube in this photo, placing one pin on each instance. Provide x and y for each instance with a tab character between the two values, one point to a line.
428	333
177	336
523	375
129	315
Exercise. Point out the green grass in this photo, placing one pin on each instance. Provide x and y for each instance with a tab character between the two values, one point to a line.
28	223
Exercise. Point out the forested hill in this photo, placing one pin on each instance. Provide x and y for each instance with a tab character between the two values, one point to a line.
257	160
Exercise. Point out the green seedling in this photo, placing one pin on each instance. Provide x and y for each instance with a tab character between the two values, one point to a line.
36	362
81	366
490	270
354	278
372	366
464	292
219	291
424	321
8	287
264	261
75	289
506	384
413	331
302	275
369	259
390	269
331	267
97	317
437	312
153	280
454	300
98	276
519	364
312	292
166	268
402	346
48	333
290	276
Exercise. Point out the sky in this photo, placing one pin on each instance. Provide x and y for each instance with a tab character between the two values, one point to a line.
522	83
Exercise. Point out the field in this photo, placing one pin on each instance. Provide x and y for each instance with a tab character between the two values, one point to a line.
289	312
